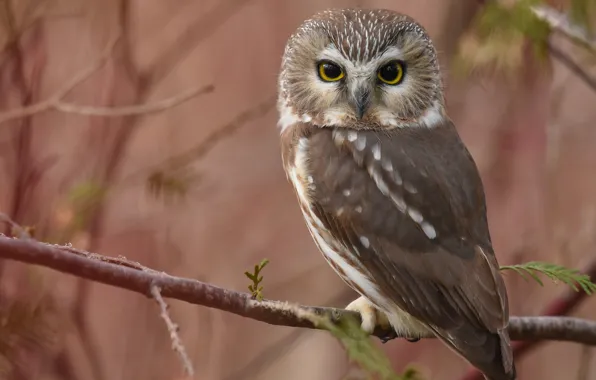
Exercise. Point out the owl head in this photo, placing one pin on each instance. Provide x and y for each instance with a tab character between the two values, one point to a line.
360	69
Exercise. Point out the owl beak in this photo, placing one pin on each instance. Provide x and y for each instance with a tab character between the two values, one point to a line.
361	102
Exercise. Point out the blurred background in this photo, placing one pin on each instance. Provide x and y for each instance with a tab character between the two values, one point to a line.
112	139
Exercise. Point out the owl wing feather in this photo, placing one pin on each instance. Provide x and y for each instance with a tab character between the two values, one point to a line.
409	203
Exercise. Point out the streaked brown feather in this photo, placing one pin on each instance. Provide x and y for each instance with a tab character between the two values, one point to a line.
450	282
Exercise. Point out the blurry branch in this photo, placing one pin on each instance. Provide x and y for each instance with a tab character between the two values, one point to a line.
186	42
573	66
132	276
173	330
562	24
63	91
501	30
15	229
140	109
215	137
583	371
578	34
173	175
56	101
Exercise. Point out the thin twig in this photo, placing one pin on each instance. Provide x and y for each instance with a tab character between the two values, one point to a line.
215	137
583	371
64	90
139	109
562	24
173	330
89	266
199	151
57	103
573	66
18	230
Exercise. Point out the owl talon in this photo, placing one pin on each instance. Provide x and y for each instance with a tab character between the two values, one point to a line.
371	317
413	340
390	336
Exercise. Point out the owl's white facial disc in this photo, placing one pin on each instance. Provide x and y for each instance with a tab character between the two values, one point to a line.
383	72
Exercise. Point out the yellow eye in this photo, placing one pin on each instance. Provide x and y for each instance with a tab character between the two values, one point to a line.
392	73
330	72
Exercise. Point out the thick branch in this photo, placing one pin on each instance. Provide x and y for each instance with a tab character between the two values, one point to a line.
129	275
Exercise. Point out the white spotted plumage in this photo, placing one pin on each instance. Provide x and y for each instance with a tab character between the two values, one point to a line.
370	201
299	176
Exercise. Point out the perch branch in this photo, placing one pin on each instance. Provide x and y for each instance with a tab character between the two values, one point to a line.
173	330
134	277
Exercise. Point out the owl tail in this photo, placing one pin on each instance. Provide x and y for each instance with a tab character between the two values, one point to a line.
489	352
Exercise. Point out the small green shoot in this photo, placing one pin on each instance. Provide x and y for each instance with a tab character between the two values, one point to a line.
411	373
256	289
557	273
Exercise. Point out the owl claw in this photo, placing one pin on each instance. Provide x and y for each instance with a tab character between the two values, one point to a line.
413	340
390	336
371	317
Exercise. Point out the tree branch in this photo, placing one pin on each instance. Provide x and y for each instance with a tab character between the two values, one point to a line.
173	330
572	65
139	109
57	103
561	23
129	275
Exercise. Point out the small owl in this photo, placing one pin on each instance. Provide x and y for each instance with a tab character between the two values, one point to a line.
390	194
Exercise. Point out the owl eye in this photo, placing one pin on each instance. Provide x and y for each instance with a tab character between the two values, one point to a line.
330	72
392	73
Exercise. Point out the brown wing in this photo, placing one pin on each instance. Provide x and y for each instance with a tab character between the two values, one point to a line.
415	197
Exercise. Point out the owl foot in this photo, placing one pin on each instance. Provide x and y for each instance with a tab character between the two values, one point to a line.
371	318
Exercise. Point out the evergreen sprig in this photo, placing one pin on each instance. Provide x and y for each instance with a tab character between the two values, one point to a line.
256	289
572	277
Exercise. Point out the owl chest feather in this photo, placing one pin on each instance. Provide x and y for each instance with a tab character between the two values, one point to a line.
343	259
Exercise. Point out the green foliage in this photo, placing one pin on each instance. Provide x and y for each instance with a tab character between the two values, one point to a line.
557	273
84	197
499	34
518	18
169	184
362	350
411	373
255	288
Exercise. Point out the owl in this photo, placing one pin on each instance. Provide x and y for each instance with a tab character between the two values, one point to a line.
389	192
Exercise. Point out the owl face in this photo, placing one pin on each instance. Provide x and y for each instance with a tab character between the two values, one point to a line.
360	68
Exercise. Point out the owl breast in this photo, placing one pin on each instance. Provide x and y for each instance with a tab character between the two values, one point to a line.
344	260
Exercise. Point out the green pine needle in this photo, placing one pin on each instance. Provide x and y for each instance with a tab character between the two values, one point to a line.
572	277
